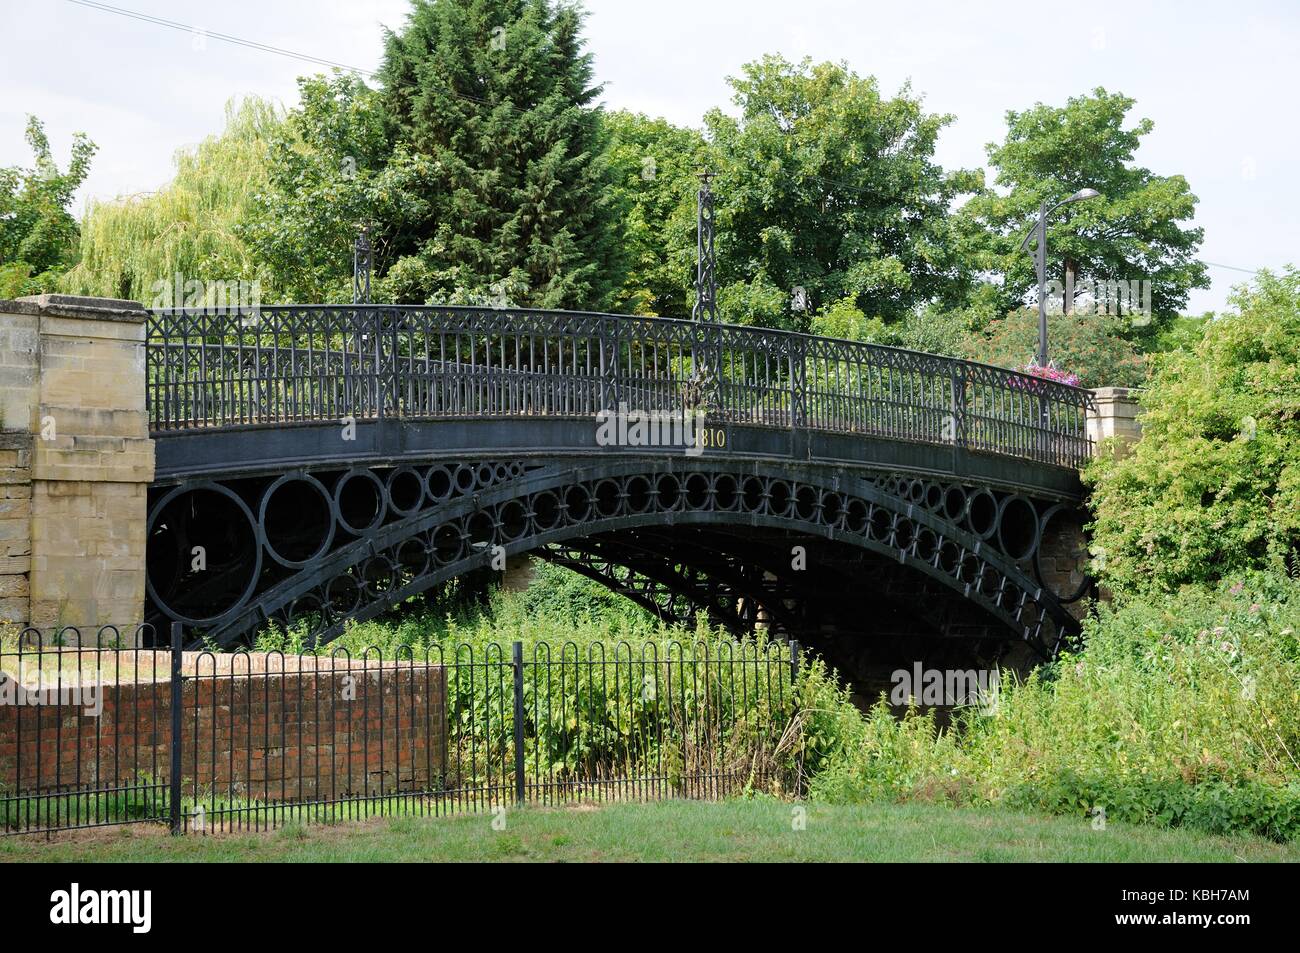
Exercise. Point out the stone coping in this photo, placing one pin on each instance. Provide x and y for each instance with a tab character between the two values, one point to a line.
129	665
74	306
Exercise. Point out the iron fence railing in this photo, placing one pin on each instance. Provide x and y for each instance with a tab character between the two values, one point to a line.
98	732
81	740
326	362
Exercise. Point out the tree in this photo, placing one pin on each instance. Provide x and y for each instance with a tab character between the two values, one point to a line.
38	235
497	95
332	171
825	185
655	166
1213	487
1131	233
134	246
1087	345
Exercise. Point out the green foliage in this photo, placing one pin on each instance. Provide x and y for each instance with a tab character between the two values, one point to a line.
1180	710
135	247
514	198
756	301
1213	487
931	329
1182	333
569	599
1089	345
844	319
654	166
331	172
827	185
38	235
582	721
1213	806
1132	232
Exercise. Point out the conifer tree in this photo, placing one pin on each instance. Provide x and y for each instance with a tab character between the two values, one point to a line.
498	95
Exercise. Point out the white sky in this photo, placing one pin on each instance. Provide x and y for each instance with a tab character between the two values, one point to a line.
1218	79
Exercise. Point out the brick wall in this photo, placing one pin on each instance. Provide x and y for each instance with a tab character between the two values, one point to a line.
258	726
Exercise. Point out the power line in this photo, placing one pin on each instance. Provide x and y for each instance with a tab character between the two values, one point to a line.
266	48
225	37
1244	271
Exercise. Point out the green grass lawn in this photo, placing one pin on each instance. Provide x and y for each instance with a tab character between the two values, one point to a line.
759	830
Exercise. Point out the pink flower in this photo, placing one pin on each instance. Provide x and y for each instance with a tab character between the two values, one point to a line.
1048	374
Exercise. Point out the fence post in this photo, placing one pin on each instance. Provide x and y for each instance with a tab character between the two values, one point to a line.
174	778
959	405
798	398
794	663
957	412
519	722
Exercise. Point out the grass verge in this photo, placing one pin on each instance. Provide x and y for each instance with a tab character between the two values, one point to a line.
751	830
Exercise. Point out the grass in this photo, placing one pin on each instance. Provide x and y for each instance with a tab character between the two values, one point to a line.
752	830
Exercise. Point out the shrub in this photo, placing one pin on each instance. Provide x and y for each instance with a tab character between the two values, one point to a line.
1090	345
1213	487
585	718
1183	709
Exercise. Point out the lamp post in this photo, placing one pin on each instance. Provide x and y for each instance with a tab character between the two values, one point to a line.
1038	234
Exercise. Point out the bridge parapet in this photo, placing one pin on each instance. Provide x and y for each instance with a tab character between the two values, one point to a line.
76	460
296	364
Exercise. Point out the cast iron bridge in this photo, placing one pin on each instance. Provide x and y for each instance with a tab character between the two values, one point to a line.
319	464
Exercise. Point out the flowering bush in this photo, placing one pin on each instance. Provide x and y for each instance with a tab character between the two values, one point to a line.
1051	373
1042	373
1090	345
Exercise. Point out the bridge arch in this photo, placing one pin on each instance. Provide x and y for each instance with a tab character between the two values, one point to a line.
470	511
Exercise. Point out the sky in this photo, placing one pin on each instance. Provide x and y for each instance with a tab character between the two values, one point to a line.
1219	80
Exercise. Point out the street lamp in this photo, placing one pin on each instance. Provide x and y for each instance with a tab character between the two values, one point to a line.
1039	253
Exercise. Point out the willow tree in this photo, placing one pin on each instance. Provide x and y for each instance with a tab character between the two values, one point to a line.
138	247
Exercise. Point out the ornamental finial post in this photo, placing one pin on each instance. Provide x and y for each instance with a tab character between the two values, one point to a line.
706	282
362	255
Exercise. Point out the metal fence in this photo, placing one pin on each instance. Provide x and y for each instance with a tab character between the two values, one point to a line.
314	363
81	740
98	732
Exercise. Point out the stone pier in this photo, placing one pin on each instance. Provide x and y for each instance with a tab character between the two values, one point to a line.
1117	416
76	462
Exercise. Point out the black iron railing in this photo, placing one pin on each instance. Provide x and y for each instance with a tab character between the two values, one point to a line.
296	363
97	732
